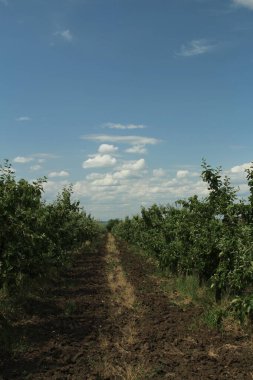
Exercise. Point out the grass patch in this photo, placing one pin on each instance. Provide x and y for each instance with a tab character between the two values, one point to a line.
111	264
188	287
123	371
185	291
70	308
213	317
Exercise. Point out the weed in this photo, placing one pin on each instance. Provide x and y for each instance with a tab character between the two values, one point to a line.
70	308
213	317
111	264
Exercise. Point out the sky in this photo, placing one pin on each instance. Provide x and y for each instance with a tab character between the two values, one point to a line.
124	98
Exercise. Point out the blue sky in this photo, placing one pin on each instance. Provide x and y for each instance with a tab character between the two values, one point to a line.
123	98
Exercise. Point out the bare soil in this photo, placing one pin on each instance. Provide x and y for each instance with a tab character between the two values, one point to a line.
108	319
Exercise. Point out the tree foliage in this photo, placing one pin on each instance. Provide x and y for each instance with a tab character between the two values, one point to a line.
211	238
34	235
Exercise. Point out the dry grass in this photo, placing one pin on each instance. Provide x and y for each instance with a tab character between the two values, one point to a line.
104	343
212	353
123	298
120	287
129	334
232	325
124	371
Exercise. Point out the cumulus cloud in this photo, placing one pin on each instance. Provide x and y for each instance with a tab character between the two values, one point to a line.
240	168
130	169
66	35
22	160
23	118
123	173
134	165
39	158
137	149
81	188
159	172
123	188
106	180
244	3
124	126
54	187
195	47
132	140
61	173
182	173
107	148
99	161
34	168
92	176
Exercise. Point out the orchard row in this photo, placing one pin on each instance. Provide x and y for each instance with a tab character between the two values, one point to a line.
37	237
211	238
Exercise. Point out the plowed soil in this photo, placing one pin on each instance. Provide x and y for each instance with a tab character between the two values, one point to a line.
108	319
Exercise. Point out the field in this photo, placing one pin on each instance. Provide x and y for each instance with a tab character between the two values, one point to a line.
166	294
108	318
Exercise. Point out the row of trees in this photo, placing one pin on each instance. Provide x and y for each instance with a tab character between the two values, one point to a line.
36	236
211	238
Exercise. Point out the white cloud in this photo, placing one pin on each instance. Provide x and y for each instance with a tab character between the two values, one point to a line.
132	140
93	176
106	180
244	3
159	172
107	148
195	47
81	188
134	165
100	161
54	187
240	168
131	169
39	157
182	173
66	35
137	143
122	189
62	173
123	173
138	149
23	118
44	156
22	160
34	168
124	126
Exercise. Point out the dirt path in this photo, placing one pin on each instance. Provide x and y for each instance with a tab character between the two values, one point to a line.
108	319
